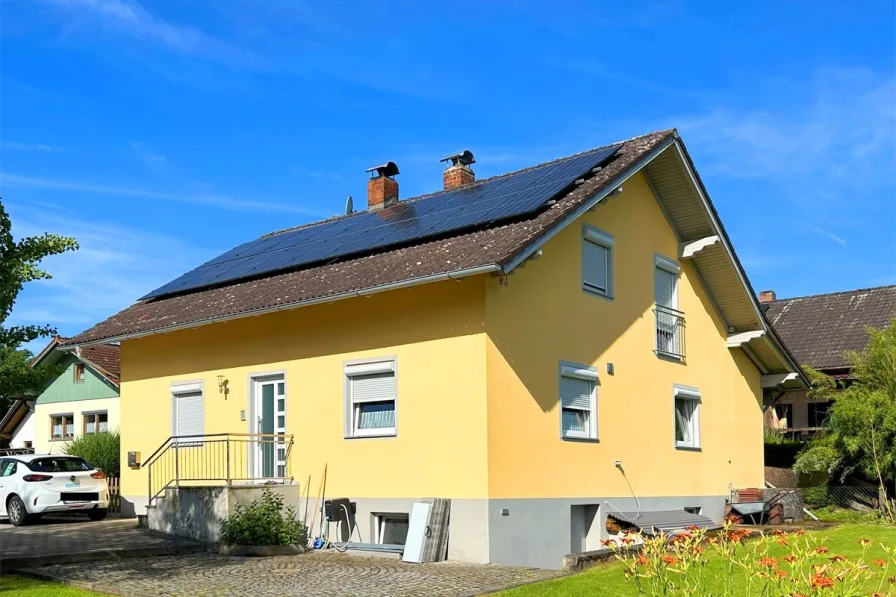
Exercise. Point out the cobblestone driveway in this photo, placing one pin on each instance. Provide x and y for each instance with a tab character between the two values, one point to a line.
311	575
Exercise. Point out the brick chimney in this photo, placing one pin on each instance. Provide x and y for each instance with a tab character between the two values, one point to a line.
458	172
767	296
382	188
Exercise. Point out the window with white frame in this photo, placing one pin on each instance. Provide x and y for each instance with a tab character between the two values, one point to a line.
687	417
578	401
188	409
669	320
96	422
391	529
597	262
62	426
370	398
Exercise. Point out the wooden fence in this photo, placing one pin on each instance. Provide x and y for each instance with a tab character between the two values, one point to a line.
114	495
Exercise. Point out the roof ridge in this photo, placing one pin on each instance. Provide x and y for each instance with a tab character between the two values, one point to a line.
474	184
807	296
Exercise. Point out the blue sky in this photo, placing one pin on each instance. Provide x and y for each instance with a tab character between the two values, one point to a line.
163	133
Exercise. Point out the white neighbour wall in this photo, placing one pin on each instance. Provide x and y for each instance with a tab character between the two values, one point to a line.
24	432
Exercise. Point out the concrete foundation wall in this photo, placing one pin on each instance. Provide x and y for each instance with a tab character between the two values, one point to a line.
539	532
196	512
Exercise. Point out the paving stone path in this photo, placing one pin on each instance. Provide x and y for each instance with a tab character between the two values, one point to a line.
308	575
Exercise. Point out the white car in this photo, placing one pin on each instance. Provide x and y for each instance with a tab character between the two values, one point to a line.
34	484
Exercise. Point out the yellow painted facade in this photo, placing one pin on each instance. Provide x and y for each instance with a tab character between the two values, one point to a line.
544	317
43	413
477	380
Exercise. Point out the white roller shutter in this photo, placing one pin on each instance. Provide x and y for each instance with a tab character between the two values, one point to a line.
189	414
375	387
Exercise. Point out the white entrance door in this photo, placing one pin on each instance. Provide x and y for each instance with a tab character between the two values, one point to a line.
269	411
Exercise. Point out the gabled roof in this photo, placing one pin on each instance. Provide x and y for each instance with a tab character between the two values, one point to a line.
13	418
499	247
104	358
820	328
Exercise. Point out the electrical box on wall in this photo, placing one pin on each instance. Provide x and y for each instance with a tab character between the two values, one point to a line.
134	459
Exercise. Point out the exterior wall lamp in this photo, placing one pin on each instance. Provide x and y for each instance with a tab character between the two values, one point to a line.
222	386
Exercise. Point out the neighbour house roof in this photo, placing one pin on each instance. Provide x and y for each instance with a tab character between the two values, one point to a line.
13	417
499	246
104	358
820	328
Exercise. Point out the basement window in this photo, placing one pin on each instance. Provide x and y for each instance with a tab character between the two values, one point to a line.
370	398
391	529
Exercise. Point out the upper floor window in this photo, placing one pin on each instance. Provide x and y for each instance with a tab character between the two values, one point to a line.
597	262
687	417
669	320
96	422
62	427
79	372
578	401
370	398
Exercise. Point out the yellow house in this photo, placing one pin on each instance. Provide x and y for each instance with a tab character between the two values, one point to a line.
544	348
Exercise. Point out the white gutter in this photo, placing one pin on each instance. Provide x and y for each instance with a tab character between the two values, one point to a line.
455	275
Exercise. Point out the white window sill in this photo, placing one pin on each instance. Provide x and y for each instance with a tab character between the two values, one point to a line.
688	447
580	438
373	433
597	292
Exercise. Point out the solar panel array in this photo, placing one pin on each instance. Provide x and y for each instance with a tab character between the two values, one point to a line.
467	207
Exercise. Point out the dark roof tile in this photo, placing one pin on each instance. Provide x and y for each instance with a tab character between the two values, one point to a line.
819	329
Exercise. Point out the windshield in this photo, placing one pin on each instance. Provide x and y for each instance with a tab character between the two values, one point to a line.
59	465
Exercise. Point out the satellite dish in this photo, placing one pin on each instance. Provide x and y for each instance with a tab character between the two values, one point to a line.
349	206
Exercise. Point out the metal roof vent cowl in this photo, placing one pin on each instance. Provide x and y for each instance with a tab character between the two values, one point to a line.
457	171
382	188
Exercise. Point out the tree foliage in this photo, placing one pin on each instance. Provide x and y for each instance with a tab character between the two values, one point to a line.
19	263
862	418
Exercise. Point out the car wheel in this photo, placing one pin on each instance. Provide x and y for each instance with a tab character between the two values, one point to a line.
16	511
97	514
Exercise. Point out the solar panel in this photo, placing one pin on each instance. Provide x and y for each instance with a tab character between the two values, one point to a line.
479	204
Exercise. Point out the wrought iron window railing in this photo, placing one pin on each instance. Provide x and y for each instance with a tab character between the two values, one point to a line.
669	332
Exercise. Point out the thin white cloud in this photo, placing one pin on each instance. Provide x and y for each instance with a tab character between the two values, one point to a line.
213	200
114	266
841	126
828	234
130	18
147	155
38	147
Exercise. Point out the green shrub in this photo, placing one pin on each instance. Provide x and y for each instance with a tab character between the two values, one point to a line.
264	522
102	450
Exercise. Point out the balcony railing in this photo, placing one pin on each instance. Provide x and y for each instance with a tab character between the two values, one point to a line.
16	451
669	332
218	459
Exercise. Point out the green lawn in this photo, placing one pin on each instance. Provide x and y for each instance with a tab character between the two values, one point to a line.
12	585
608	581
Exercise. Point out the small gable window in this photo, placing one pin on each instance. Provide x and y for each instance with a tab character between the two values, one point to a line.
79	372
597	262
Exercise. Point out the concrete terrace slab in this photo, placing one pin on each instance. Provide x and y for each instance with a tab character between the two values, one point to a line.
308	575
57	540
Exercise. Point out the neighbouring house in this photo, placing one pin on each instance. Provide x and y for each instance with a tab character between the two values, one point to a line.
544	348
83	399
17	427
820	330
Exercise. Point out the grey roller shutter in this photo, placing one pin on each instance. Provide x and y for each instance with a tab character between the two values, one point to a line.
664	288
596	266
576	393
